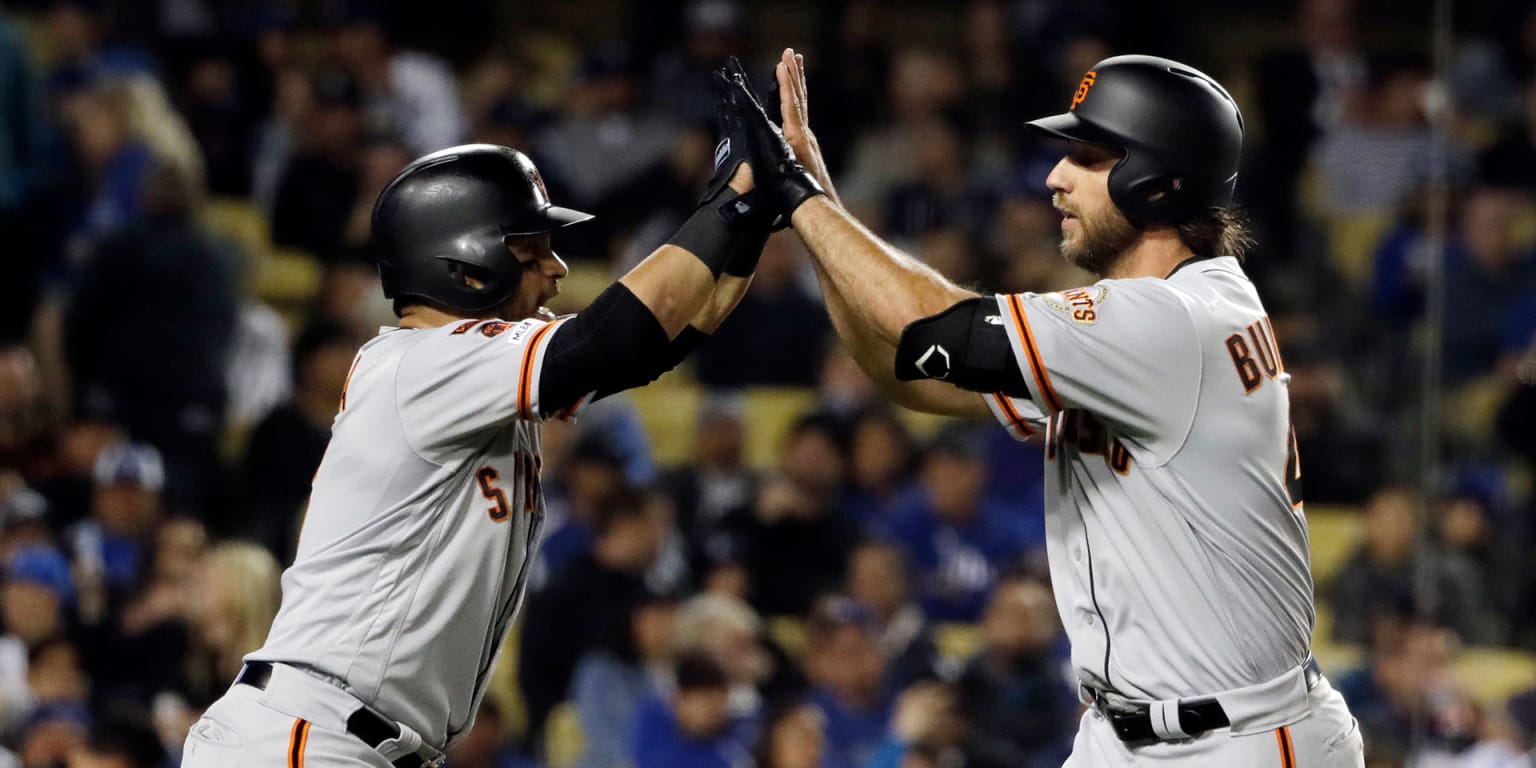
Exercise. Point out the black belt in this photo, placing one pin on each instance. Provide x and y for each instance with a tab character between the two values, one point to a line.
1133	722
367	726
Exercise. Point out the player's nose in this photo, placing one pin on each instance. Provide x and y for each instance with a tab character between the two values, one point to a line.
554	266
1059	179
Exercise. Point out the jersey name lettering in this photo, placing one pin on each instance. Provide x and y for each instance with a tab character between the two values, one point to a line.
1255	354
1083	430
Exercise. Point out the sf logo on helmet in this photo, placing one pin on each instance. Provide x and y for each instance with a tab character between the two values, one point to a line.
1082	88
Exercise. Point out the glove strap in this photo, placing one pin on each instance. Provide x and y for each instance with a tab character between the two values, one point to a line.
796	185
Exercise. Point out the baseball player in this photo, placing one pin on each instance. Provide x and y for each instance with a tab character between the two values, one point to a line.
426	509
1177	541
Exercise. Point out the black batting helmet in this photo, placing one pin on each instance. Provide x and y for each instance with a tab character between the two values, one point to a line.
454	209
1181	133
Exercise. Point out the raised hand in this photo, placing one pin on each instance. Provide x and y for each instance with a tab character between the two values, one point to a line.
795	114
774	165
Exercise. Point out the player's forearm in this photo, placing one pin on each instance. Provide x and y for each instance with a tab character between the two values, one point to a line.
673	284
886	288
728	292
878	360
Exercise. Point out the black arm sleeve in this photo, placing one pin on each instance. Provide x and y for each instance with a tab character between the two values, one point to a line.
964	345
615	344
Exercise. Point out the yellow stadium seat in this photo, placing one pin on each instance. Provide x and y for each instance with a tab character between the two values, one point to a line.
789	633
770	412
288	278
1337	658
1333	532
1470	409
241	221
1492	675
1352	242
668	411
584	282
957	642
563	739
504	687
1323	630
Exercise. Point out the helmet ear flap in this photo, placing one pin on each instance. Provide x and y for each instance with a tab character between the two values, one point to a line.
1147	194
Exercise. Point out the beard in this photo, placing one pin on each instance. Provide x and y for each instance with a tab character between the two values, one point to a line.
1101	239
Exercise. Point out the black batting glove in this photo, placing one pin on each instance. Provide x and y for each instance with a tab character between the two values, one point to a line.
774	166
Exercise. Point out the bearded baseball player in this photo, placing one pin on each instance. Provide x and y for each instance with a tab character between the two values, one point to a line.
426	509
1177	541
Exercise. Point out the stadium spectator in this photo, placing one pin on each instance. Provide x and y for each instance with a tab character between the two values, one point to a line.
486	744
694	727
164	384
881	466
607	582
23	410
957	540
796	545
877	578
36	601
794	736
847	672
1015	693
111	549
236	597
1302	94
776	336
1406	681
730	632
320	185
411	94
1383	569
717	484
613	681
285	448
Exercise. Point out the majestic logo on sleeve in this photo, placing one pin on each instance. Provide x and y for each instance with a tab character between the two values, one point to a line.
934	363
722	151
1081	304
1084	87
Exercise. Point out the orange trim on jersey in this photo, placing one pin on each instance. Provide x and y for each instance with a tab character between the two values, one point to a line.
1287	754
298	738
1036	367
570	411
1013	414
525	379
348	382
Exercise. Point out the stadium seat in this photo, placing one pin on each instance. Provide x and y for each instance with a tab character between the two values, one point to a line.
1492	675
1352	242
241	221
770	412
668	411
788	632
584	282
1323	630
288	278
1337	658
957	642
563	739
1333	531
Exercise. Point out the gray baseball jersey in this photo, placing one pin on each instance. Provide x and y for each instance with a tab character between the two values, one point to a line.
1177	543
422	522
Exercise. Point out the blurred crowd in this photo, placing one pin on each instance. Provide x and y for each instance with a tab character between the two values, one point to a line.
873	597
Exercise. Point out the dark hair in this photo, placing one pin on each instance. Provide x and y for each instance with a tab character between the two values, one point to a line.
626	504
320	333
128	736
699	671
1217	232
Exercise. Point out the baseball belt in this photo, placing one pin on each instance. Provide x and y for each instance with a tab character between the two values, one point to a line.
1145	722
368	726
